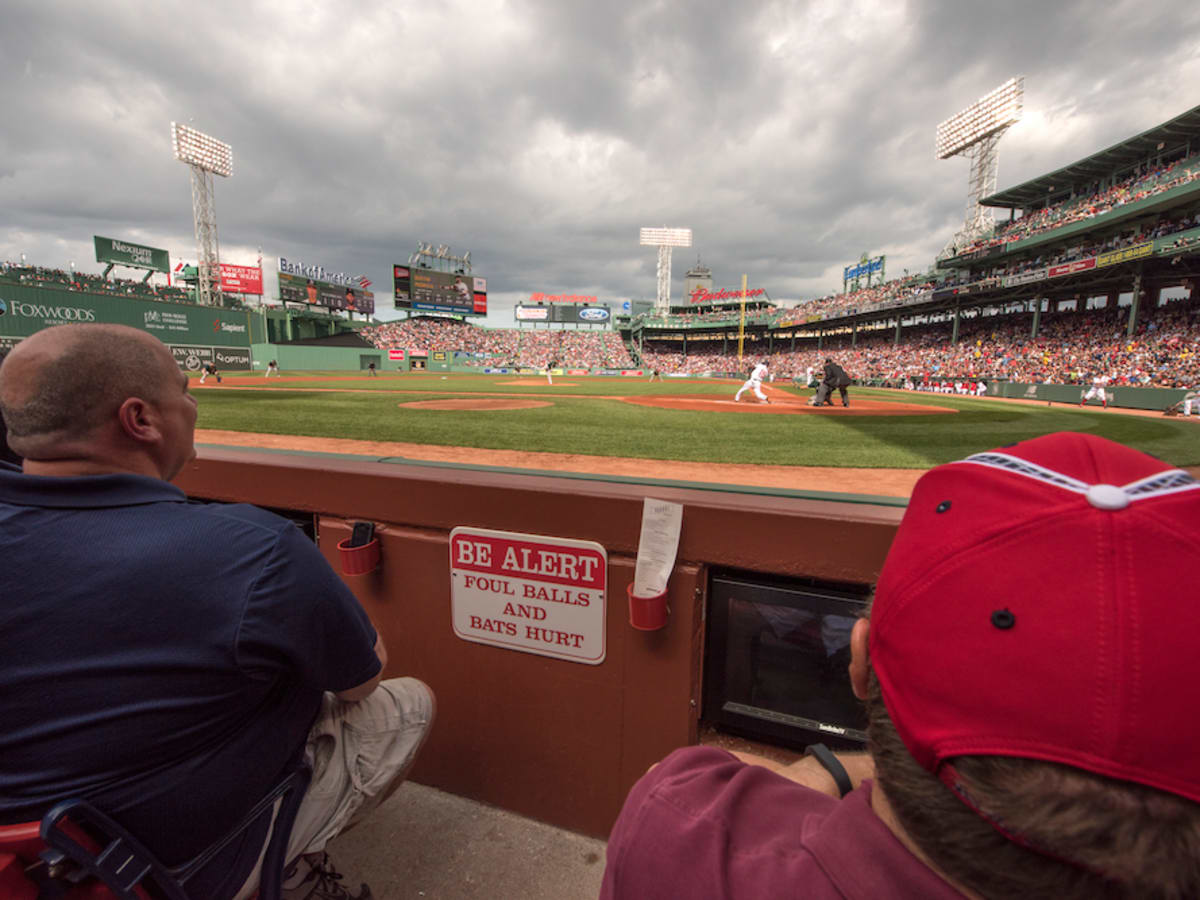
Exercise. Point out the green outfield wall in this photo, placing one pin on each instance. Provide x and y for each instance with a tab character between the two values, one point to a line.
1123	397
296	358
195	334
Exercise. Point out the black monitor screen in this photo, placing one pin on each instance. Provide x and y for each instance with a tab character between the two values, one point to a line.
776	662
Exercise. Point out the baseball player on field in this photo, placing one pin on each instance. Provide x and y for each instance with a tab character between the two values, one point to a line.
754	382
1097	390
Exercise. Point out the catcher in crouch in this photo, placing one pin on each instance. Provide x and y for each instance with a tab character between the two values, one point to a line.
833	376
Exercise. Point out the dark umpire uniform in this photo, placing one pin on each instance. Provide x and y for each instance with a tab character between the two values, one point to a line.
834	376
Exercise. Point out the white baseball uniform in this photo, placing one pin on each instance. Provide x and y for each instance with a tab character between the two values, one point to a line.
1097	390
754	382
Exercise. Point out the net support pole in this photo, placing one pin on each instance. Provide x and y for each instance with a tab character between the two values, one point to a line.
742	323
1133	306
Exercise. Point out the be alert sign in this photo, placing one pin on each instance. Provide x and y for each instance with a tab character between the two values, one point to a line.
527	592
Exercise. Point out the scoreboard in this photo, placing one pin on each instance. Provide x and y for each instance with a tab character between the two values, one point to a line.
298	289
427	289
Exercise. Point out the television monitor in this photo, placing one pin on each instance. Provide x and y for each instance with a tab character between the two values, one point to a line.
776	657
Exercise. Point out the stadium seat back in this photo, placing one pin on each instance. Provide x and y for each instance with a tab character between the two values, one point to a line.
78	852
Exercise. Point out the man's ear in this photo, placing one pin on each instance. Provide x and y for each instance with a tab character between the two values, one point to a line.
858	658
139	420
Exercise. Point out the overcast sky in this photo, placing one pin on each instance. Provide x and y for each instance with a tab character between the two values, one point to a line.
791	137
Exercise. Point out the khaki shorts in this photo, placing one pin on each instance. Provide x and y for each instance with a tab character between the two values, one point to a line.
357	752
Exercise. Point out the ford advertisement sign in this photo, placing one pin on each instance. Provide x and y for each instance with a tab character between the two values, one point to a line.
593	314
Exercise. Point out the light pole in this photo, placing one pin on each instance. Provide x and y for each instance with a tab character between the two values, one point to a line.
205	156
665	239
975	133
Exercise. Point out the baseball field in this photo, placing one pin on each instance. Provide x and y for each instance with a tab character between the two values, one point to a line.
677	429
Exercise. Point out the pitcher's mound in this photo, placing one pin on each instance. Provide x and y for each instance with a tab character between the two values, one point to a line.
476	405
537	381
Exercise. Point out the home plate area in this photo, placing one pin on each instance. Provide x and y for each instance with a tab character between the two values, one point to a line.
787	405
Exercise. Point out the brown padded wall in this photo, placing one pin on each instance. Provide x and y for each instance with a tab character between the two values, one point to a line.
556	740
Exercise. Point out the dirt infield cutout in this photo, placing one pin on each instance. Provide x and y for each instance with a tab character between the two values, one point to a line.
790	406
537	382
476	404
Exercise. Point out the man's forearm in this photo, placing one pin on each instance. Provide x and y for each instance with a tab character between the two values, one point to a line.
810	773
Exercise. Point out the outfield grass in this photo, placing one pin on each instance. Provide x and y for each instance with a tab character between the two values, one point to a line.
608	427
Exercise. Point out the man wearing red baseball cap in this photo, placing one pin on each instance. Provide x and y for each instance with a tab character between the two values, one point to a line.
1029	671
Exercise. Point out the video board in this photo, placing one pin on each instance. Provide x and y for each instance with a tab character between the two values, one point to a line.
418	288
298	289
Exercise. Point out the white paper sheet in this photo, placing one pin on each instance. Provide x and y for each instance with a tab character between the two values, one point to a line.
657	546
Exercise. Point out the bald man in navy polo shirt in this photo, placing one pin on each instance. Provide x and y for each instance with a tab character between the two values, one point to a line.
165	659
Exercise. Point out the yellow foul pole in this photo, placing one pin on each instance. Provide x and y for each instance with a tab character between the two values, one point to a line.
742	324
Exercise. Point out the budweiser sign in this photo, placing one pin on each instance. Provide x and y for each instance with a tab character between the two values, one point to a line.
561	298
700	295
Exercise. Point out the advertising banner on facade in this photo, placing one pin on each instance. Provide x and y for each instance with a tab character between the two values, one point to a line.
192	357
531	313
561	298
1024	278
1079	265
1138	251
25	310
581	315
241	279
123	253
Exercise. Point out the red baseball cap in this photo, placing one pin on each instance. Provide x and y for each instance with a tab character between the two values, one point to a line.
1041	601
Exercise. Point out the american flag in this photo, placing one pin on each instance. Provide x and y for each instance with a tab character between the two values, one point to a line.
364	282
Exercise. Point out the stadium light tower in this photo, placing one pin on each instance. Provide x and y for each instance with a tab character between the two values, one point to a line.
206	157
975	133
664	239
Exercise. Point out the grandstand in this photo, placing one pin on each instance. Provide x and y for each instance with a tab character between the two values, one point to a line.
512	348
563	742
1094	273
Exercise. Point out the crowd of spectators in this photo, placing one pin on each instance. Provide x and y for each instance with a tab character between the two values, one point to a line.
516	347
43	277
1071	348
1137	186
886	293
1138	234
758	314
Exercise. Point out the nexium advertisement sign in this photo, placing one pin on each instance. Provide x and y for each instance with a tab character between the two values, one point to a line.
123	253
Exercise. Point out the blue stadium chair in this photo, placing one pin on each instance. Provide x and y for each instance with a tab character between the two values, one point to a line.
78	853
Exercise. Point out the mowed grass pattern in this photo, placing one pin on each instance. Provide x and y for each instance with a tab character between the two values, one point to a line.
599	424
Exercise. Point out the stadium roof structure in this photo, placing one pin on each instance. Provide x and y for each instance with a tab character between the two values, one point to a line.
1170	134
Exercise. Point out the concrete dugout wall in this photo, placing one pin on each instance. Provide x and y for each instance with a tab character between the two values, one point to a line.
553	739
